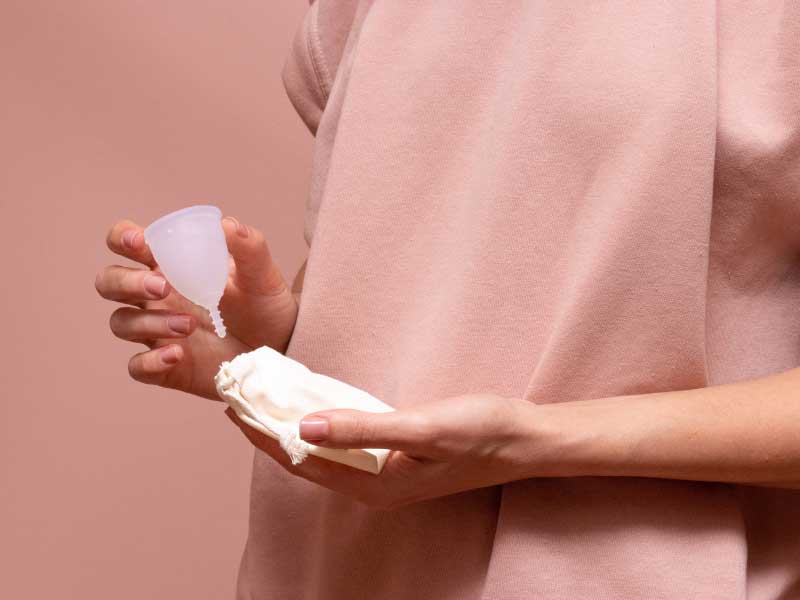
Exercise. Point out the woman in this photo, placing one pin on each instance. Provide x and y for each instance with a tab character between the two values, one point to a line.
561	239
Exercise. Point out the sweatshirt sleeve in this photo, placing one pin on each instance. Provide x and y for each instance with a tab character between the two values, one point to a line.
310	68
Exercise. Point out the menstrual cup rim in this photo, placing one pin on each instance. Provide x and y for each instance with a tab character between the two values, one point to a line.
197	209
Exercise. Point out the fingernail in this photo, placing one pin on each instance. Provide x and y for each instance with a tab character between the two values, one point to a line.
179	324
170	355
129	237
155	285
314	429
241	230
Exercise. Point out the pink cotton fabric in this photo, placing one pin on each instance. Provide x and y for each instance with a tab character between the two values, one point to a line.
555	201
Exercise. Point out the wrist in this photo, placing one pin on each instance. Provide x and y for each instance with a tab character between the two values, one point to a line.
571	439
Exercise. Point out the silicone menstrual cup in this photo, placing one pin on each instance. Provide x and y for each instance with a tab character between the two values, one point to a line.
189	246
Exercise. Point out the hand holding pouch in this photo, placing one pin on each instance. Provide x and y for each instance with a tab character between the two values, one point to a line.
272	392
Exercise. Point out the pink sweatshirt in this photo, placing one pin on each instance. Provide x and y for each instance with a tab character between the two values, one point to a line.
554	201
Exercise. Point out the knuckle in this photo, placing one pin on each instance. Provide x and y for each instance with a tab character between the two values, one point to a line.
359	431
427	431
424	425
131	282
259	241
262	250
134	368
142	368
128	281
114	322
111	236
111	282
98	283
114	236
256	235
118	321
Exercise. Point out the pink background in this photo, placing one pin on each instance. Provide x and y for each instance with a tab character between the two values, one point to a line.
110	110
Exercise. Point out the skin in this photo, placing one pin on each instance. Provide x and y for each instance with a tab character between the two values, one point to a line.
745	432
259	310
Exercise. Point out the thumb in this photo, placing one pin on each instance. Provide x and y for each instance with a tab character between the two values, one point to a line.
346	428
255	272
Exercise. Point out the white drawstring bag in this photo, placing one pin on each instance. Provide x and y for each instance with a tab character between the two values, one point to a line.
272	393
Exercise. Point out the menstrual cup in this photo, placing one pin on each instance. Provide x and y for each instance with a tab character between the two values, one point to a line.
189	246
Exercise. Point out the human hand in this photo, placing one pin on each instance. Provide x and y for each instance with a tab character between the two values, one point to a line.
439	448
185	353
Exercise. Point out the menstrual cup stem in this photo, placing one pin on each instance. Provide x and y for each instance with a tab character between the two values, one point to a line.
216	318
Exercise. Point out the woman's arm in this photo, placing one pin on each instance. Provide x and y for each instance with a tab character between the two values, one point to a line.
746	432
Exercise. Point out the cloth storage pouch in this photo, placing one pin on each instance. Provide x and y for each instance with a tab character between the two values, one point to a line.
272	393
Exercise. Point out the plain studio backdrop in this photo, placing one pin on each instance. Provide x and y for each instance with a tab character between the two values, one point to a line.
114	109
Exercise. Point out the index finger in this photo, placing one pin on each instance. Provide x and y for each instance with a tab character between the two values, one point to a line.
126	238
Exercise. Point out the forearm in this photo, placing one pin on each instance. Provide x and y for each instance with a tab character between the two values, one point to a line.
746	432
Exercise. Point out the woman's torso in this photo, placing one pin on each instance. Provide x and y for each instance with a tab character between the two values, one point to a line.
555	201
